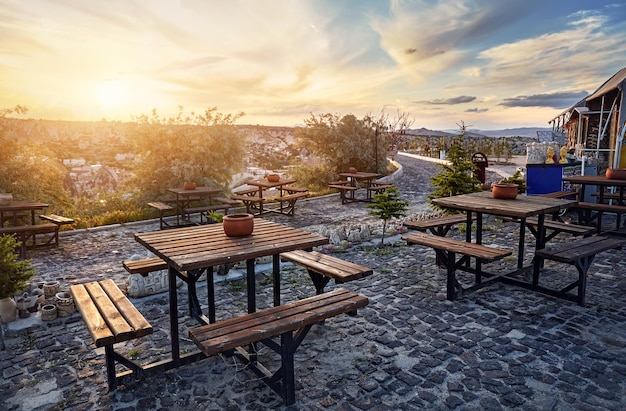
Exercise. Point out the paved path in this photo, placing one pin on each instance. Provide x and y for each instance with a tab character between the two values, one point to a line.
410	349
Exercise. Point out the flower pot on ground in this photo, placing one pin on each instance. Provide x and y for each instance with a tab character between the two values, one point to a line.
504	191
238	225
14	274
8	310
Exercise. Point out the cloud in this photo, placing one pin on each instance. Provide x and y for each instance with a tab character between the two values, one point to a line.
476	110
452	100
553	100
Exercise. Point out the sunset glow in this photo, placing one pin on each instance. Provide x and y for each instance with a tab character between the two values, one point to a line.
489	63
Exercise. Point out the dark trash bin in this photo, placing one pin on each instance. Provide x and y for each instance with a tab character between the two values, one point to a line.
480	161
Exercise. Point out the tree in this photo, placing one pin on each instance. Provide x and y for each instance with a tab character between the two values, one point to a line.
388	205
27	170
344	142
205	148
459	176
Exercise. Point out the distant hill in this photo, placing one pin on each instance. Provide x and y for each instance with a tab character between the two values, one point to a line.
508	132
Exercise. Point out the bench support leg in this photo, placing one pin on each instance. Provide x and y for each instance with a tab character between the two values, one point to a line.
582	266
109	355
281	381
319	281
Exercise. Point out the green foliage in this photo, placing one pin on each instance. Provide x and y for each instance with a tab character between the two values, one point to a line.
30	171
518	179
216	216
457	177
387	205
205	148
341	143
106	209
14	274
314	177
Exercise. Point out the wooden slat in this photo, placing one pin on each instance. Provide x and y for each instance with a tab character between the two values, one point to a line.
335	268
37	228
584	247
95	323
130	313
606	208
160	206
342	187
442	221
57	219
225	335
121	330
562	227
457	246
144	266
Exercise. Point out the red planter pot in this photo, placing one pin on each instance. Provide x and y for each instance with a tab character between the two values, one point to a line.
238	225
504	191
273	178
616	174
189	185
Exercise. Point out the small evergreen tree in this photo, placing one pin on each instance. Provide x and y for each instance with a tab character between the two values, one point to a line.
459	175
388	205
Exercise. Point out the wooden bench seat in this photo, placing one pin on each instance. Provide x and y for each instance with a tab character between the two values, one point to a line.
110	319
378	188
290	321
292	190
561	194
288	202
346	192
579	253
25	233
230	202
254	205
144	266
322	268
57	219
447	249
588	212
439	225
205	210
162	208
557	227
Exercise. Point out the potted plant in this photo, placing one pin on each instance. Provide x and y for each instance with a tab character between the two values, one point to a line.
14	277
510	187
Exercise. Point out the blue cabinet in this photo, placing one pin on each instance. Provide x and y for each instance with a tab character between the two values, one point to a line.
548	178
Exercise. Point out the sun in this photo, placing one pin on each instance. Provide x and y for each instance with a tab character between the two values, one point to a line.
111	93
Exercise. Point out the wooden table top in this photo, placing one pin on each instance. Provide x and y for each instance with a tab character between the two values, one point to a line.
595	180
199	191
361	175
23	205
269	184
521	207
205	246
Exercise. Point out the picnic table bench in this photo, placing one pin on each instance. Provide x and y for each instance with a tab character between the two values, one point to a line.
110	319
438	225
346	192
25	233
588	212
290	321
162	208
322	268
579	253
447	249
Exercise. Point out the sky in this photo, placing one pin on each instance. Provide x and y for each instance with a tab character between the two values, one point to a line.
489	64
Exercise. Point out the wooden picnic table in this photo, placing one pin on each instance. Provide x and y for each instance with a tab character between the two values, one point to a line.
522	208
184	198
360	179
18	208
192	251
602	182
255	199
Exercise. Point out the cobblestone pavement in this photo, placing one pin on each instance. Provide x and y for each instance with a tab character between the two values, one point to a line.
498	348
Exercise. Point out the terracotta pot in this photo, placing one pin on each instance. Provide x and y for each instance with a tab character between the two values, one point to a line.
273	178
504	191
352	170
238	225
189	185
616	174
